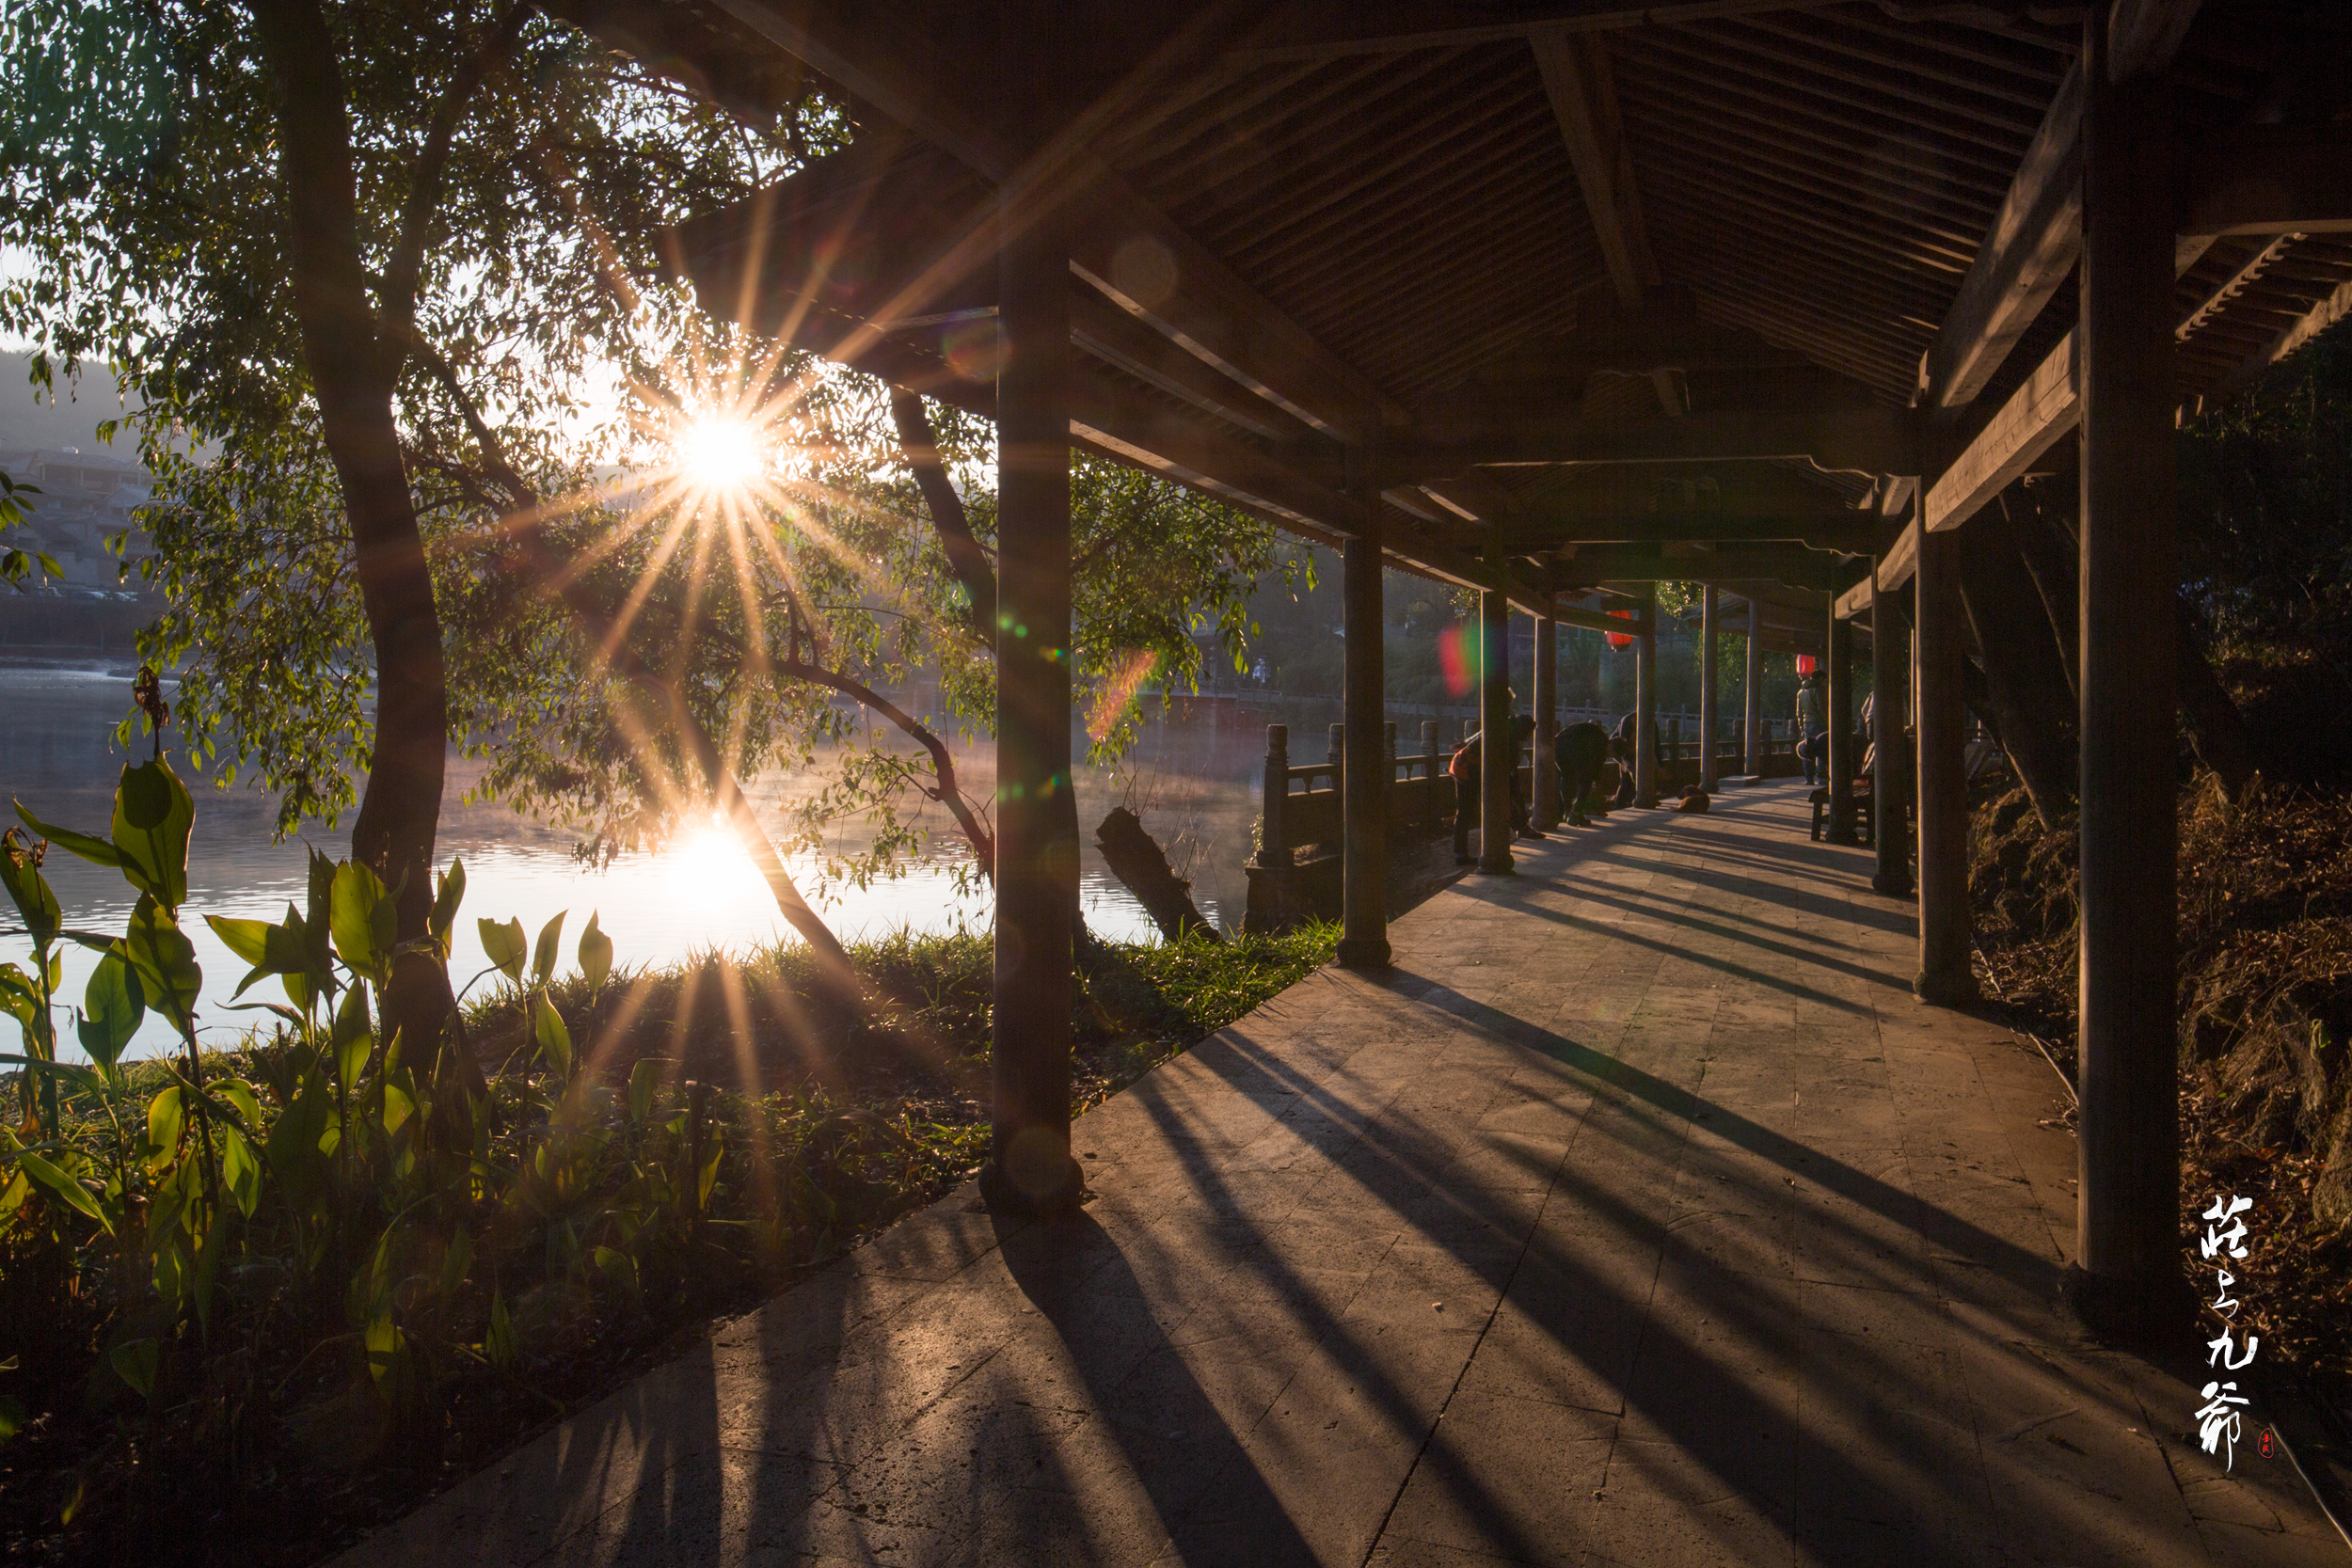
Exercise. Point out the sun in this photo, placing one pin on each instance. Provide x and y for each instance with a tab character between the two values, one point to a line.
720	454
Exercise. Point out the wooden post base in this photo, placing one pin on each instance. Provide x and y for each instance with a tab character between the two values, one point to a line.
1037	1183
1367	954
1945	989
2157	1317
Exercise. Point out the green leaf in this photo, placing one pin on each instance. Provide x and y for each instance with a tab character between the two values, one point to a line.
166	1115
398	1107
499	1343
171	1271
240	1096
543	955
555	1040
358	894
96	851
113	1007
240	1169
19	997
34	900
63	1186
456	1262
384	1345
644	1080
154	816
160	952
136	1362
247	939
12	1416
619	1267
351	1038
708	1175
319	915
446	898
504	945
80	1078
596	954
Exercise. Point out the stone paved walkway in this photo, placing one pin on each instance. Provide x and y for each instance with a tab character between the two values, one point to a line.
1640	1216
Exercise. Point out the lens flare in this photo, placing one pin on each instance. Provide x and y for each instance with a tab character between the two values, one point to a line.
1112	696
1453	662
719	455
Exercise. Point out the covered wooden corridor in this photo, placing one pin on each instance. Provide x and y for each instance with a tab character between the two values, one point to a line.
1558	300
1637	1214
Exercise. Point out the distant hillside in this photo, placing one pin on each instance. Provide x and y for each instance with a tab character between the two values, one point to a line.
70	421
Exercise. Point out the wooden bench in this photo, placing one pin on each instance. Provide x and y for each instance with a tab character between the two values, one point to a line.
1864	800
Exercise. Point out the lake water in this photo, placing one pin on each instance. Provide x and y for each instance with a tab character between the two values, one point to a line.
1195	785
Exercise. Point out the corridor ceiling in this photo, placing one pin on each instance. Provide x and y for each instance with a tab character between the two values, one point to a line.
1728	290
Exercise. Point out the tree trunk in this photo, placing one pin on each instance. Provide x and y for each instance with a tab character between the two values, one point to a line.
2024	678
353	370
966	558
2047	543
2216	731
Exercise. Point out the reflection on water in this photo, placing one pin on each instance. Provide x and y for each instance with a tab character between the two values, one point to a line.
1194	786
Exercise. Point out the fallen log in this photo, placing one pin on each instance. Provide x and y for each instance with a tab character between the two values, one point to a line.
1137	861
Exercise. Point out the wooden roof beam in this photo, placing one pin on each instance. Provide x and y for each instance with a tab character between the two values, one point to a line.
1793	565
2037	415
2037	233
1575	70
1863	438
1847	532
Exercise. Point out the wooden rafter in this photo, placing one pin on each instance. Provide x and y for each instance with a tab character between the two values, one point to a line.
1575	69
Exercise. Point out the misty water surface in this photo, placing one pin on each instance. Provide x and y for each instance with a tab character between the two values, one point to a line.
1195	785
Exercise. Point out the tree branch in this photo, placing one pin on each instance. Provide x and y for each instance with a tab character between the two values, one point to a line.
965	557
948	793
407	268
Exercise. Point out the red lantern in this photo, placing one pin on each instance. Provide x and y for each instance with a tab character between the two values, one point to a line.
1620	641
1806	664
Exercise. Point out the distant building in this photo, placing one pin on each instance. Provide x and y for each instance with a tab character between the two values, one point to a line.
83	516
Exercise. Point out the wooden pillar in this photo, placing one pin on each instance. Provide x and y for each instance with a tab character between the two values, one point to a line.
1752	693
1945	978
1546	815
1030	1169
1707	720
2127	1279
1890	715
1841	757
1645	702
1495	758
1365	870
